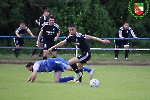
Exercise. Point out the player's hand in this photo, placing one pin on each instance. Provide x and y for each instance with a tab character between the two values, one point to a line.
50	50
105	41
56	38
18	36
135	37
32	36
121	38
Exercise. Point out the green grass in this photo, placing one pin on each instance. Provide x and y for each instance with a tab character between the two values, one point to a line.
116	83
134	58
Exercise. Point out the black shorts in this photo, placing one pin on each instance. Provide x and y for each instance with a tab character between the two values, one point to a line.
84	57
19	41
119	43
41	40
46	46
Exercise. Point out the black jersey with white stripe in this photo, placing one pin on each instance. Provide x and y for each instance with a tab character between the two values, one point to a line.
124	32
41	21
22	32
80	40
49	32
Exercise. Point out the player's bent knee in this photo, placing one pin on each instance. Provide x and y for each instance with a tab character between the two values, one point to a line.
69	68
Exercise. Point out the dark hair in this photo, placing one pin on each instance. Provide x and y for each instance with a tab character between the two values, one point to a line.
51	16
46	10
71	25
29	64
125	23
22	22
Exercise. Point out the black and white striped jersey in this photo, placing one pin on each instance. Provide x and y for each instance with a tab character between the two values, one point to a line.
79	40
41	21
125	32
22	32
49	32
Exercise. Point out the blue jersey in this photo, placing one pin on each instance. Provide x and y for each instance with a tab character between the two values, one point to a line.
51	64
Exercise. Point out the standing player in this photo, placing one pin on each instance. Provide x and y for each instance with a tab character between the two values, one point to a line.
21	31
80	40
52	64
123	32
40	22
50	32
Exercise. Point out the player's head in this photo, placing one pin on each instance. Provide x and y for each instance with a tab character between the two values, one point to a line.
46	12
126	25
29	65
51	19
22	25
72	29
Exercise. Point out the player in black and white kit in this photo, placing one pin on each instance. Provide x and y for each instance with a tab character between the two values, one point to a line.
123	32
50	32
21	31
40	22
80	40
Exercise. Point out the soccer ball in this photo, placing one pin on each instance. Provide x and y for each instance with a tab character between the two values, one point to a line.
94	83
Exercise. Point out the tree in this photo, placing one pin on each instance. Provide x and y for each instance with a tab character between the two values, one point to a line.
10	16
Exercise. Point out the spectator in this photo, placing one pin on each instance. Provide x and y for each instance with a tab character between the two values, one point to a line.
122	33
21	31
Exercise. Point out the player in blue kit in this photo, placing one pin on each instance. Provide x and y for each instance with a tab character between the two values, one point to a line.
53	64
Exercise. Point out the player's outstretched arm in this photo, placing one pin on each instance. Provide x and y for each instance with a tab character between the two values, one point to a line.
97	39
57	45
32	77
29	31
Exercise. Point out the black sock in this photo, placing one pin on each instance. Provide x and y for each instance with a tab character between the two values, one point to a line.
53	57
75	68
34	51
81	71
116	53
41	52
16	51
44	57
80	79
126	53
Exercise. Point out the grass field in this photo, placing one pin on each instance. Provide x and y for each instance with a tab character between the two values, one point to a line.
116	83
98	59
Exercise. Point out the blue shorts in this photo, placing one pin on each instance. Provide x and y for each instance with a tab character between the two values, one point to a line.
61	65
